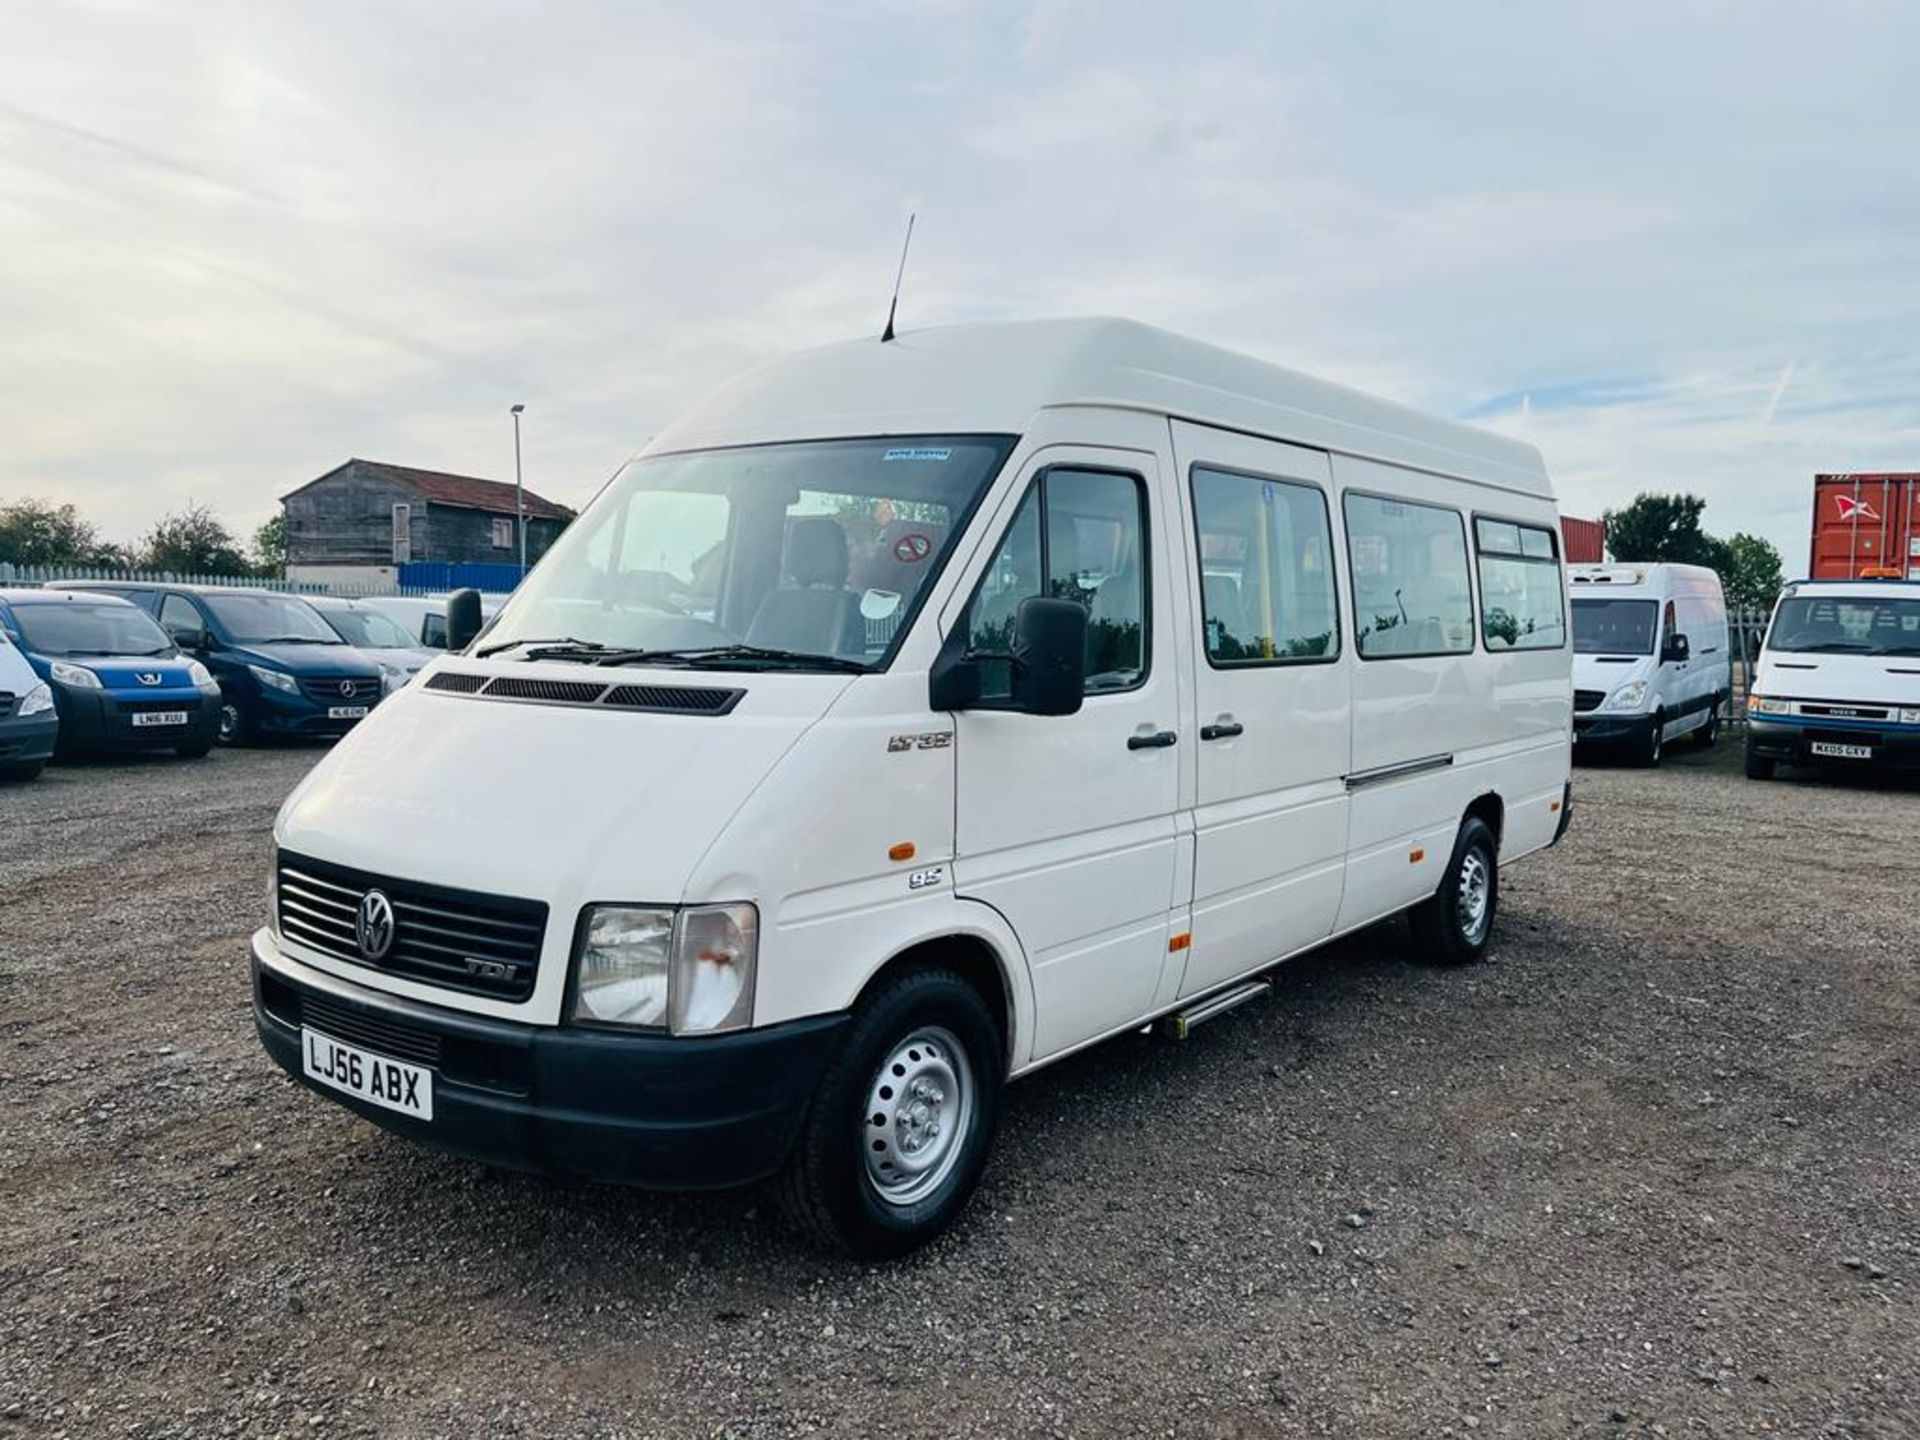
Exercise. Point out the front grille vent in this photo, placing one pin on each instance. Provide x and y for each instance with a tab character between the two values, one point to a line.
651	699
482	944
376	1032
1588	699
340	689
1844	712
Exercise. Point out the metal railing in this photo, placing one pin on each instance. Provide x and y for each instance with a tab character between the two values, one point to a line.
30	576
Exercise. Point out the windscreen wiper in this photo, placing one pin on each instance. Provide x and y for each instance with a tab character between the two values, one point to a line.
765	654
554	646
295	640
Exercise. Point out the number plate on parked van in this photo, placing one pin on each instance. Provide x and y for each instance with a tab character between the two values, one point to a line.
346	712
1841	752
159	717
366	1076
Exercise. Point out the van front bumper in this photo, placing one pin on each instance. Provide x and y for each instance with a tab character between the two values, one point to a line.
94	722
28	741
1791	742
1595	728
647	1110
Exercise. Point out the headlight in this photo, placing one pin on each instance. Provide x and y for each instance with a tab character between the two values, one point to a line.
76	675
690	971
277	679
395	677
40	699
1910	717
1768	705
1630	696
199	674
620	974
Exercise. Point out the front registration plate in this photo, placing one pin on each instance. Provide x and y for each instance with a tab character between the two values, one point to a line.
1841	752
346	712
366	1076
141	719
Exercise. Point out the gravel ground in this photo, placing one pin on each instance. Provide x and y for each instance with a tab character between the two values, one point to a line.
1651	1170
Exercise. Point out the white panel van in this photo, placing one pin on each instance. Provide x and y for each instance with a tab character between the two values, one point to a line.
1651	658
1838	682
908	716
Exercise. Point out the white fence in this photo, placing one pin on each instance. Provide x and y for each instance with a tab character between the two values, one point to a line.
35	575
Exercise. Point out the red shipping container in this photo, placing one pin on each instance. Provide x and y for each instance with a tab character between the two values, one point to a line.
1865	525
1585	541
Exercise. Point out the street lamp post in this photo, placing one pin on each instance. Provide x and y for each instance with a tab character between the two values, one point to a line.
519	491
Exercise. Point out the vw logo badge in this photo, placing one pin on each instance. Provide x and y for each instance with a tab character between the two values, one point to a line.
373	927
147	677
347	687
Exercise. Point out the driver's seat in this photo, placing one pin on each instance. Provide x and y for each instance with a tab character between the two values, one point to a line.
813	610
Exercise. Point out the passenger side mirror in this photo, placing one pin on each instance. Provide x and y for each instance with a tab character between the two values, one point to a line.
187	638
463	618
1049	656
1678	651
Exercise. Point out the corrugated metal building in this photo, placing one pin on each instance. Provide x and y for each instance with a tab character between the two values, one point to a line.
362	520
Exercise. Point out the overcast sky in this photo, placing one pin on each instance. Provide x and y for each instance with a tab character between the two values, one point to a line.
1676	245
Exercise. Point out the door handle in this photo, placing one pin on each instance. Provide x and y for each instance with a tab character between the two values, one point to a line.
1158	740
1224	731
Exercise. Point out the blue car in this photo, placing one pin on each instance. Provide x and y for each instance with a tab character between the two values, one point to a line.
281	669
28	721
119	682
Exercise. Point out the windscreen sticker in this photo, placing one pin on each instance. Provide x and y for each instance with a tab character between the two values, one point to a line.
912	549
917	453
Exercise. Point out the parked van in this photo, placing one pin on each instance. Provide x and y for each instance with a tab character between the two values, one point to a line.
905	718
281	669
118	680
374	634
1838	682
1651	658
422	618
29	723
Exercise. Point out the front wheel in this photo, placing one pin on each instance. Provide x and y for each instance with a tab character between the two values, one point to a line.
897	1135
1653	744
236	725
1455	926
1758	766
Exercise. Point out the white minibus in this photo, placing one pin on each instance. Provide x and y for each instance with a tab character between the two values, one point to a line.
1838	683
910	715
1651	658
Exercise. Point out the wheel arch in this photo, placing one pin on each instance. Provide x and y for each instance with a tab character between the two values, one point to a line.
991	961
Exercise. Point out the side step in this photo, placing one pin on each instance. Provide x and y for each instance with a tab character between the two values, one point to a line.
1180	1024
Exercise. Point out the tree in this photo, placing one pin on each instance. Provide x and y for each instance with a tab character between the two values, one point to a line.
1750	571
37	532
1660	527
192	542
270	547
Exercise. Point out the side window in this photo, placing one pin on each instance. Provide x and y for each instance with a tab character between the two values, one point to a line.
1521	607
1266	570
433	631
1411	591
1079	535
177	616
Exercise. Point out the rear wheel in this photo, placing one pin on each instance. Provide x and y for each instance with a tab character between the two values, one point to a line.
897	1134
1455	926
1758	766
1708	733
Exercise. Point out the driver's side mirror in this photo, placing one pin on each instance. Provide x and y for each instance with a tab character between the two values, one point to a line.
187	638
463	618
1049	656
1678	651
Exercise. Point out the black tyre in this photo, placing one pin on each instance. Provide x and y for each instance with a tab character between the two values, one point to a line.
1455	926
1651	746
1759	767
22	770
236	723
897	1134
1708	734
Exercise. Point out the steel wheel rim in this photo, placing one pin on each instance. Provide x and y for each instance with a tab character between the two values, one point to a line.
920	1109
1476	895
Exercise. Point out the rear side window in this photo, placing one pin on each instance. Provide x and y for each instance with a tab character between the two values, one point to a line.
1521	604
1080	535
1411	591
1266	570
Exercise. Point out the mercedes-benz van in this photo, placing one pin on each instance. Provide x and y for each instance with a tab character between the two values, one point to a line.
1651	658
908	716
1838	681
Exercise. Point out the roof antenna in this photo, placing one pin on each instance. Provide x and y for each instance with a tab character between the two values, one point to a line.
894	304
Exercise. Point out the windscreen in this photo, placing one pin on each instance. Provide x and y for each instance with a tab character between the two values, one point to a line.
367	628
1614	627
1855	625
79	628
258	619
818	551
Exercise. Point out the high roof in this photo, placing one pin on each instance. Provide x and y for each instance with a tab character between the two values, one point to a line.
464	492
997	377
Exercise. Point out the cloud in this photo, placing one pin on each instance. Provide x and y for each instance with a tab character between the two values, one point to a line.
245	242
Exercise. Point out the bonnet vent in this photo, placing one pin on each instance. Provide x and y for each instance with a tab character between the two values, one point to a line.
654	699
